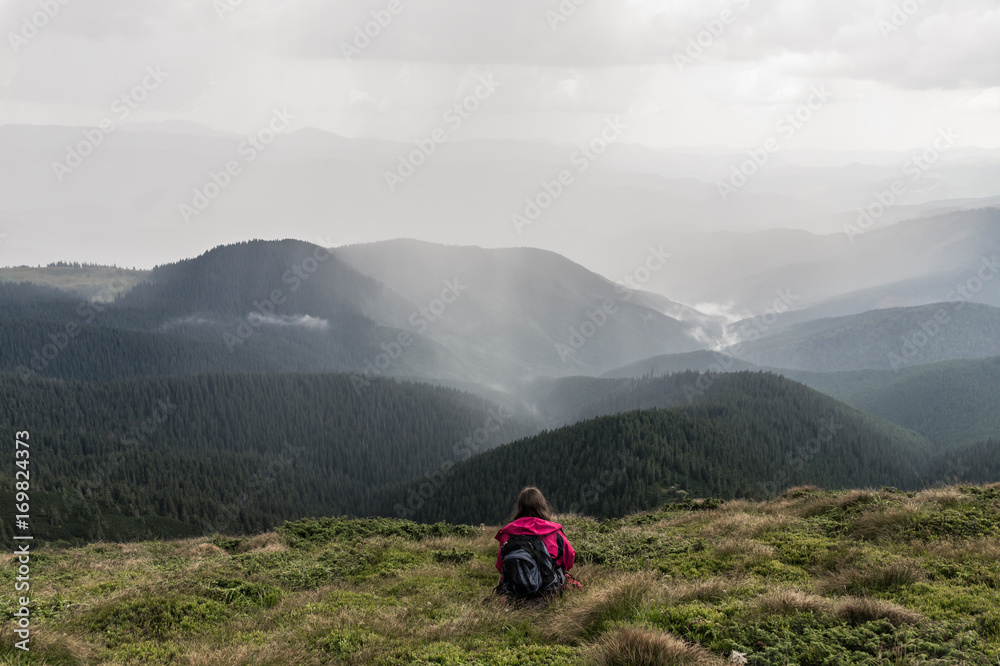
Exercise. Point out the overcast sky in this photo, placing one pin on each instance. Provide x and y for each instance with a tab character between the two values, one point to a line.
893	78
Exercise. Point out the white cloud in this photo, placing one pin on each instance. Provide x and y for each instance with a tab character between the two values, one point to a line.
296	321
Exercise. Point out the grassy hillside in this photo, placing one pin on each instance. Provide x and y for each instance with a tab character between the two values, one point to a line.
97	282
812	577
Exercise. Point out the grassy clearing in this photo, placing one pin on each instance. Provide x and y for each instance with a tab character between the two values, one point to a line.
812	577
95	282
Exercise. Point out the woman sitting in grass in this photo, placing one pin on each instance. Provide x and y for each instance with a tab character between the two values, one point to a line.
534	554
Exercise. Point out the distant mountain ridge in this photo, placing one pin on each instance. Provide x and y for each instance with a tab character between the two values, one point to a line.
528	310
700	361
310	181
404	309
912	262
892	338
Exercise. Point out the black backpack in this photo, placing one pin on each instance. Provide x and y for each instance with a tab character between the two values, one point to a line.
529	572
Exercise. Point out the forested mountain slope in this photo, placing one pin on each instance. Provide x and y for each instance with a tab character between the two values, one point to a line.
700	361
952	403
749	435
176	456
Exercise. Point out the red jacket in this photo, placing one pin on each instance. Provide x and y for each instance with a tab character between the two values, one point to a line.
547	531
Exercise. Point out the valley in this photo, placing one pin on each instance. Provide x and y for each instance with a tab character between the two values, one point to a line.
379	364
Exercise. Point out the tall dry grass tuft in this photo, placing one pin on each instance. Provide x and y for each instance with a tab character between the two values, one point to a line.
632	646
866	580
858	610
805	505
743	546
800	491
622	597
854	498
268	542
48	646
491	617
886	524
739	506
204	550
687	518
946	498
237	655
712	590
963	551
743	524
784	602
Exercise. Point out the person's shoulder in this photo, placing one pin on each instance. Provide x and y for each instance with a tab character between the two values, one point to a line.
540	525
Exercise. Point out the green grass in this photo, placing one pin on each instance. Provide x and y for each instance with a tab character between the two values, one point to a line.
812	577
98	282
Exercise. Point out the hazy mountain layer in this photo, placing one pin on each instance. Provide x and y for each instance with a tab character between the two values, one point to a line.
699	361
893	338
914	262
409	309
522	312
